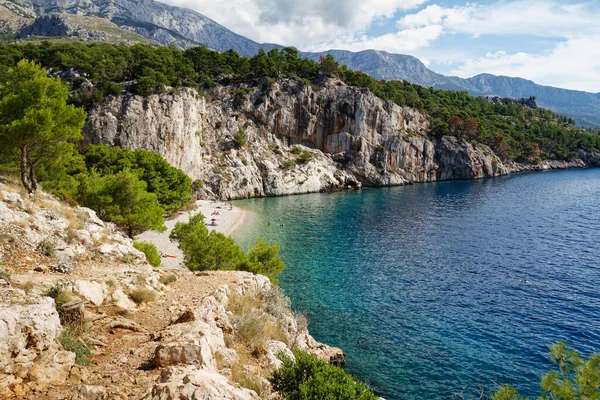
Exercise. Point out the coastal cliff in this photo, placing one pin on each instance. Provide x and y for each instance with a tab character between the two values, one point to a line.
350	136
84	316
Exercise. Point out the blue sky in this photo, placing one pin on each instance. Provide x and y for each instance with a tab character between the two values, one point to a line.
551	42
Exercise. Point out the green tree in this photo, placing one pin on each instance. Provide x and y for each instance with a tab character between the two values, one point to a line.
35	117
122	198
262	259
328	66
204	250
171	186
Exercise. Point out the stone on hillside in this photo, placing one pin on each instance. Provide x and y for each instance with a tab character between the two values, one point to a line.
276	349
190	383
29	327
122	301
192	352
94	292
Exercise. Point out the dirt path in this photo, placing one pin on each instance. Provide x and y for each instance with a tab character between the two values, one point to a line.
124	366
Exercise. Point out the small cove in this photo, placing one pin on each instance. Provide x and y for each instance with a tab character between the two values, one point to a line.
422	285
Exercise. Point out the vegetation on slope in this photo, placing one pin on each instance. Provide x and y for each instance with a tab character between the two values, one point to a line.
204	250
513	131
38	130
308	378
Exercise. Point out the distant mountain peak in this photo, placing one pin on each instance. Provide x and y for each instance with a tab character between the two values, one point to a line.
182	27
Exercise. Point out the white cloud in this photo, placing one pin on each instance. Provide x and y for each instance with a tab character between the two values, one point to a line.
573	64
531	17
316	25
301	23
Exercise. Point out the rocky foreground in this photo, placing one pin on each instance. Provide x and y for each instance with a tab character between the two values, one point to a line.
214	335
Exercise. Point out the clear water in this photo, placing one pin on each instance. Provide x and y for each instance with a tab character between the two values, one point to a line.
422	285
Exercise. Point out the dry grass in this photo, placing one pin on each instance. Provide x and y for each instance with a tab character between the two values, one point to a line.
253	324
142	295
168	279
241	375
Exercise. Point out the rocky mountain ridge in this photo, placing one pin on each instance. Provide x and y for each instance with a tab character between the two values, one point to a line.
300	139
184	28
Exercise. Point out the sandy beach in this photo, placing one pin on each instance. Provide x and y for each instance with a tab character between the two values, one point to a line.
228	221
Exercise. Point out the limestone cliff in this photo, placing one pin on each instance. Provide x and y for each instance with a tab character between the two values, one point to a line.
354	138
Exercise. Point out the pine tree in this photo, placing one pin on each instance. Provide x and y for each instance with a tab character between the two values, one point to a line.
35	118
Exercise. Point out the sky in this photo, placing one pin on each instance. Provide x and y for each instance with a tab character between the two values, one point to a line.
554	43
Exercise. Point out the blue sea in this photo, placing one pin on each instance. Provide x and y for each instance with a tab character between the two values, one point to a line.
437	290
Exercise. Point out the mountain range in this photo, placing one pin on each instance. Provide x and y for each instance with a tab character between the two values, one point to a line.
183	28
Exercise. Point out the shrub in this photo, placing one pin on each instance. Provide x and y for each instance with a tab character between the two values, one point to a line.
142	296
240	138
71	342
305	157
253	325
171	186
151	252
204	250
262	259
4	275
287	164
167	279
296	150
309	378
60	294
246	379
47	248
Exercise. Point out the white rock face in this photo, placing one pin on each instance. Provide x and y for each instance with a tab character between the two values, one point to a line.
190	383
29	327
353	136
274	350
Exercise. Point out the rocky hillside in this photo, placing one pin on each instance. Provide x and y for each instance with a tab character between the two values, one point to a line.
83	316
301	138
185	28
86	29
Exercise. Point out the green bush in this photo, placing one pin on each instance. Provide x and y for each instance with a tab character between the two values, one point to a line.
262	259
204	250
309	378
240	138
71	342
167	279
151	252
170	185
305	157
287	164
122	198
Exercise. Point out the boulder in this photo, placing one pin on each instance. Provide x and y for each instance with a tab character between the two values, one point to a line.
190	383
274	350
192	352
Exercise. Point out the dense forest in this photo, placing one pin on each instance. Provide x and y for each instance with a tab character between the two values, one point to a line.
514	131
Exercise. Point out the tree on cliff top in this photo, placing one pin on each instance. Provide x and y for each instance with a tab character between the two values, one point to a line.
35	118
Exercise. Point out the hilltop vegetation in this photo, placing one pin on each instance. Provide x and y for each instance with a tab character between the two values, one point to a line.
513	131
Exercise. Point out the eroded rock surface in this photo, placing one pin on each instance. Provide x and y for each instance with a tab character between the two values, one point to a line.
351	137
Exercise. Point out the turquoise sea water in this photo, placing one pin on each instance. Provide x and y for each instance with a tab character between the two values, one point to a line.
422	285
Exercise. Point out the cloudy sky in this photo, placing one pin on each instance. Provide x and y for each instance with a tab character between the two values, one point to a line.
551	42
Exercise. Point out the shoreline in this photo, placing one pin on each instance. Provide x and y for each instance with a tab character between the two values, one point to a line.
228	221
